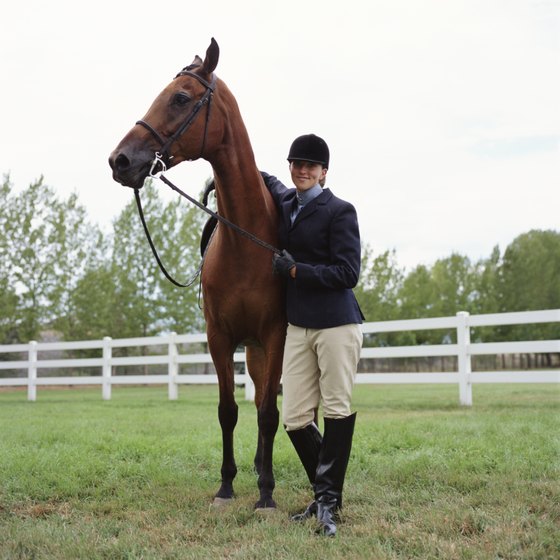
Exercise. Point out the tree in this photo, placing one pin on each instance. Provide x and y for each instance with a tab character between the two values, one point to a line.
93	299
529	279
137	303
8	296
80	246
46	242
530	272
181	227
486	288
417	296
8	310
454	285
486	293
377	291
145	301
378	288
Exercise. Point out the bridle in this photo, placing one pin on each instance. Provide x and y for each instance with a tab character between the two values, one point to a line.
162	160
162	157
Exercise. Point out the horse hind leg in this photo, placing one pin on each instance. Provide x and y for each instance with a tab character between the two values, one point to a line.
268	418
266	391
255	368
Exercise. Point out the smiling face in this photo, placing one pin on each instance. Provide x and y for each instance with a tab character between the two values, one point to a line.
306	174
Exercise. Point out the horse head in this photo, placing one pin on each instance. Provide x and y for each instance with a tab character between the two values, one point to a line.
177	126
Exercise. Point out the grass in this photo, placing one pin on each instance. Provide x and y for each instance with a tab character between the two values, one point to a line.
134	478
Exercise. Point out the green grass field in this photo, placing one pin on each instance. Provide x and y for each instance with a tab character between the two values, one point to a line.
134	477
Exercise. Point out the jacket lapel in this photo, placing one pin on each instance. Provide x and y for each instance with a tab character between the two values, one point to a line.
312	207
287	207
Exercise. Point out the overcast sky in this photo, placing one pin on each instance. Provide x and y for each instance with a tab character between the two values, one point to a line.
442	116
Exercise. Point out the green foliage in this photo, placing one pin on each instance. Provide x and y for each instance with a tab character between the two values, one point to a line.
95	303
487	272
46	243
418	294
526	277
145	301
136	274
58	271
453	279
8	310
380	282
530	272
181	226
529	279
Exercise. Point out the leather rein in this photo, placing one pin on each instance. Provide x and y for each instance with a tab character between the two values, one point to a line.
162	160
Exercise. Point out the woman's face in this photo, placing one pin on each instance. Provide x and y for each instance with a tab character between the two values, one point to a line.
306	174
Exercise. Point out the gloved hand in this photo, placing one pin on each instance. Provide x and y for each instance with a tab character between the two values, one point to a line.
281	264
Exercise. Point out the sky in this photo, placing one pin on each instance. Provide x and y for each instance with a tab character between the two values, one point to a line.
442	116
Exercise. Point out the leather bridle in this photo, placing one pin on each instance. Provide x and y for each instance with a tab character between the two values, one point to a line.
162	160
162	157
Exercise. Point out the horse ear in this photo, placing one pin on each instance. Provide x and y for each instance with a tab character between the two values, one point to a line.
212	56
197	61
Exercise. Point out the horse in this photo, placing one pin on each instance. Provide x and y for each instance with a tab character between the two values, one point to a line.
243	299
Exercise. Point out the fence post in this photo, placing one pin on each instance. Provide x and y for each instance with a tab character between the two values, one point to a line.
106	373
32	372
464	358
172	369
249	385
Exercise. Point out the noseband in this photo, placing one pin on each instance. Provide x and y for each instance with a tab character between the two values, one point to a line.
162	157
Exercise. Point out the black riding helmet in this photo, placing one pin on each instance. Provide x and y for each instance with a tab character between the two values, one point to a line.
309	147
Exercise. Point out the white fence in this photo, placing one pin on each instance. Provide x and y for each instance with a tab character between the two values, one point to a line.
463	350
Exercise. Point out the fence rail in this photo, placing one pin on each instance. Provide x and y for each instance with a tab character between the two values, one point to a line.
462	350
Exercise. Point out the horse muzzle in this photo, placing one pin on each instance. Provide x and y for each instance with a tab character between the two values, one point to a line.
129	171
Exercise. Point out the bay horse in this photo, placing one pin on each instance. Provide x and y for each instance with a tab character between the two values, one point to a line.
196	116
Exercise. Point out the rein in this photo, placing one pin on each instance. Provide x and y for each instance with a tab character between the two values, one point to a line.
154	250
218	217
161	162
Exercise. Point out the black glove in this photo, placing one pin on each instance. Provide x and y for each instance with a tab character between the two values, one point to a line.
281	264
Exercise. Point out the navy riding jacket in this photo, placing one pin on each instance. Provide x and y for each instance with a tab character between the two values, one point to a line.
324	240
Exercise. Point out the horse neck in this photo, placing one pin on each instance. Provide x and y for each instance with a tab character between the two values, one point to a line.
241	194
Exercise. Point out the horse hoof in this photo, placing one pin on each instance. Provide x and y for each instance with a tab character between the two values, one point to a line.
221	502
265	506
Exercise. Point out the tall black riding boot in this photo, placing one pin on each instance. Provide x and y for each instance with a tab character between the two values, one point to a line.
307	443
331	470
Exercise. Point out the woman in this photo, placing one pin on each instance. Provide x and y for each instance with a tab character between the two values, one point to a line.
321	264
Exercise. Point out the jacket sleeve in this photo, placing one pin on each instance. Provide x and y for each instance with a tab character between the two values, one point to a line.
276	188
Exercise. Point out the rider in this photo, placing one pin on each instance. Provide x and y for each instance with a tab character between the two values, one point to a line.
321	264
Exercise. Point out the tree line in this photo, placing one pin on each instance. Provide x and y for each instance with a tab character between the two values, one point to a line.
59	271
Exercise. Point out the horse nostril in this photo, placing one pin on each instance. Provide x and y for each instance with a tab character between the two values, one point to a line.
122	162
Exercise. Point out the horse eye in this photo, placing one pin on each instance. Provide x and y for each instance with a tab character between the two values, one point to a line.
181	99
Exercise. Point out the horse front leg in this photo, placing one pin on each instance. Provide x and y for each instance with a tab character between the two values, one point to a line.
227	416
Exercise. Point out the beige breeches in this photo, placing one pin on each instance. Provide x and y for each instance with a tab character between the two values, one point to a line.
319	368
